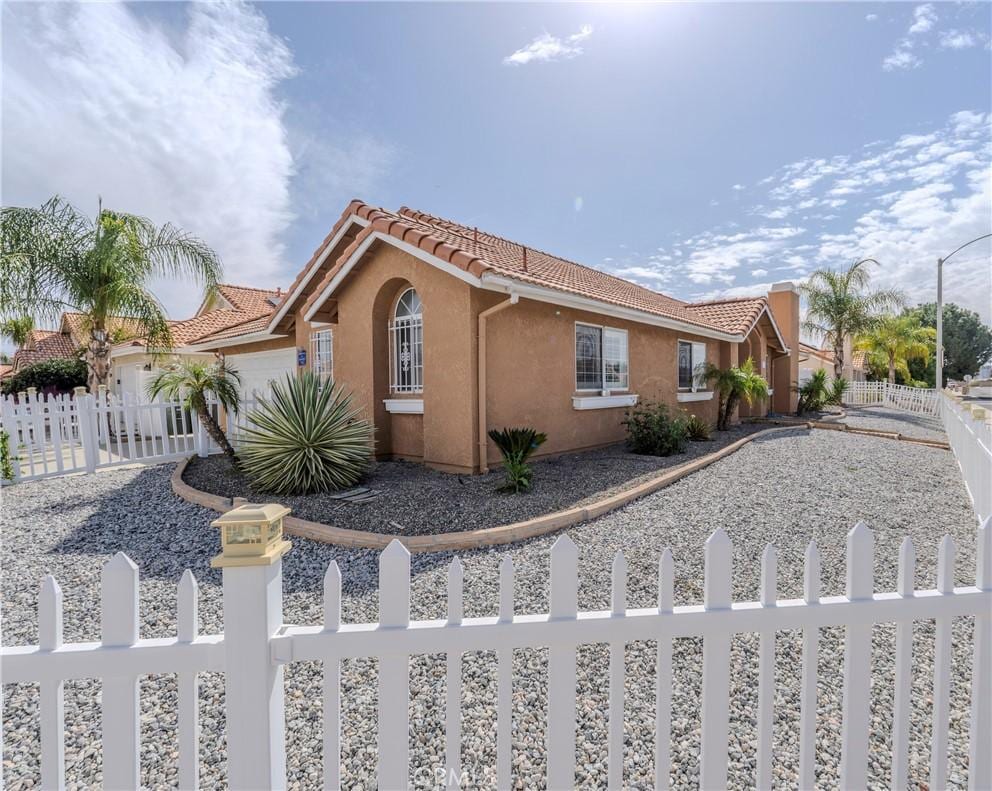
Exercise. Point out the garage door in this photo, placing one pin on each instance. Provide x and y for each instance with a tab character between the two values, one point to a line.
259	368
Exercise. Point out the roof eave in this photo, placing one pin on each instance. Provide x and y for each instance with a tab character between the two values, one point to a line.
236	340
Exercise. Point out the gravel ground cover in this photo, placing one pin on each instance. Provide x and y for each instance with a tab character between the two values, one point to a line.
787	488
885	419
416	500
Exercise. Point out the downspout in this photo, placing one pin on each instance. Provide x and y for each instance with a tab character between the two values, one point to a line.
514	298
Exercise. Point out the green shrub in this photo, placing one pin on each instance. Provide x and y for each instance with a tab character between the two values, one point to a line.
836	395
61	373
652	431
697	429
814	394
517	445
6	460
305	438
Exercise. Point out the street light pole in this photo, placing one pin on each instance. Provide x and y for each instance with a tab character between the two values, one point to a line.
940	309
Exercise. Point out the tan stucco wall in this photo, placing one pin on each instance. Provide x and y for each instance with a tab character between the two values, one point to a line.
531	374
783	300
361	357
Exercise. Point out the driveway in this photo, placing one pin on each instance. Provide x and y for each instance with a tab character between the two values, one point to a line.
787	489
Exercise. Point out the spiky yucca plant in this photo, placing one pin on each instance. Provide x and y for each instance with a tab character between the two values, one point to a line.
814	393
305	438
837	389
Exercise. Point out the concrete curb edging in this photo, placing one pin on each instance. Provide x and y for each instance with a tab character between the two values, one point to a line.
472	539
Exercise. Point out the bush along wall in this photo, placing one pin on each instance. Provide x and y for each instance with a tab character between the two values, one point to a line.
59	376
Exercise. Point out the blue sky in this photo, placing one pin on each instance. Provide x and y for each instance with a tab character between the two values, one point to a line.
700	149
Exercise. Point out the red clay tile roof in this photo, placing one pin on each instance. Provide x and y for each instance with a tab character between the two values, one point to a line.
6	370
733	315
244	328
826	354
251	305
44	345
859	359
478	252
257	301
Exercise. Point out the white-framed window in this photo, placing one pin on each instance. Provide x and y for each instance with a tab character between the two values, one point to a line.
692	365
322	354
406	345
601	361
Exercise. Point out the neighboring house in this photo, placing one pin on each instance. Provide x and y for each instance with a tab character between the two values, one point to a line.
443	332
43	345
812	359
133	364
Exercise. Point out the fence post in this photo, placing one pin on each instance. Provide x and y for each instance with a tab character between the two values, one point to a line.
86	412
256	750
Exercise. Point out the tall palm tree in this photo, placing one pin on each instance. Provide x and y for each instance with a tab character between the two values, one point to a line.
54	258
17	328
840	306
191	382
733	385
896	340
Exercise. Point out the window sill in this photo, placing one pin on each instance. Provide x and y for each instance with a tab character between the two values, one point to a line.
603	402
702	395
404	406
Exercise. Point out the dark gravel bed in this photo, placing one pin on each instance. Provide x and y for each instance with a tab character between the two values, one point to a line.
415	500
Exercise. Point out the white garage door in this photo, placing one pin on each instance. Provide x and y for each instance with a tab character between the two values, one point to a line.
259	368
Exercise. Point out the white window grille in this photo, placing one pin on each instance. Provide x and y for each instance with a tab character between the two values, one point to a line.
406	345
601	361
322	354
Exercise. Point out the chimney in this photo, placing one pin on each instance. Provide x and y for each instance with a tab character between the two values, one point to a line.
783	301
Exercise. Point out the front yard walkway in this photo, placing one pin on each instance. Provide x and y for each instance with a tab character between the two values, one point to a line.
787	489
908	424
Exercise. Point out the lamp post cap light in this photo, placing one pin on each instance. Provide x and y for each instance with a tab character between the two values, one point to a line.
251	535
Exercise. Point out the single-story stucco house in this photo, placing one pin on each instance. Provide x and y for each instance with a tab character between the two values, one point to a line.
442	332
813	359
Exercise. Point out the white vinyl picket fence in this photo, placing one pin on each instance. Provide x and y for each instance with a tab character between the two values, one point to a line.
969	432
920	400
257	644
60	434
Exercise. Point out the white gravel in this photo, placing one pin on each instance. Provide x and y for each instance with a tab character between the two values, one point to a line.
886	419
786	489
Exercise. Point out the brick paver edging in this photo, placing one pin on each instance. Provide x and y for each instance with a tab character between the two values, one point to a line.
472	539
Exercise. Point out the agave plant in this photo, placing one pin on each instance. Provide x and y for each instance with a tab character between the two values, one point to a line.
517	445
307	437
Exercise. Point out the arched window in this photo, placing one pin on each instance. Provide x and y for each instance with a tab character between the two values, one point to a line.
406	342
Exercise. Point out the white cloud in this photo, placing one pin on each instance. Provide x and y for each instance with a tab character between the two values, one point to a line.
546	48
958	39
871	17
737	187
924	18
901	58
98	101
904	202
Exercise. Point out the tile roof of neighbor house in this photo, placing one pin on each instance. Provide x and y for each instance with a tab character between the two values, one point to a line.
44	345
826	354
859	359
251	305
478	252
6	370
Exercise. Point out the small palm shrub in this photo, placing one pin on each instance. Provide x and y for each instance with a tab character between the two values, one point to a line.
652	431
814	393
305	438
836	395
516	445
697	429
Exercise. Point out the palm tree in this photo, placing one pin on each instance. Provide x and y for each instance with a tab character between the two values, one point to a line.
896	340
54	259
190	382
732	385
17	328
838	305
